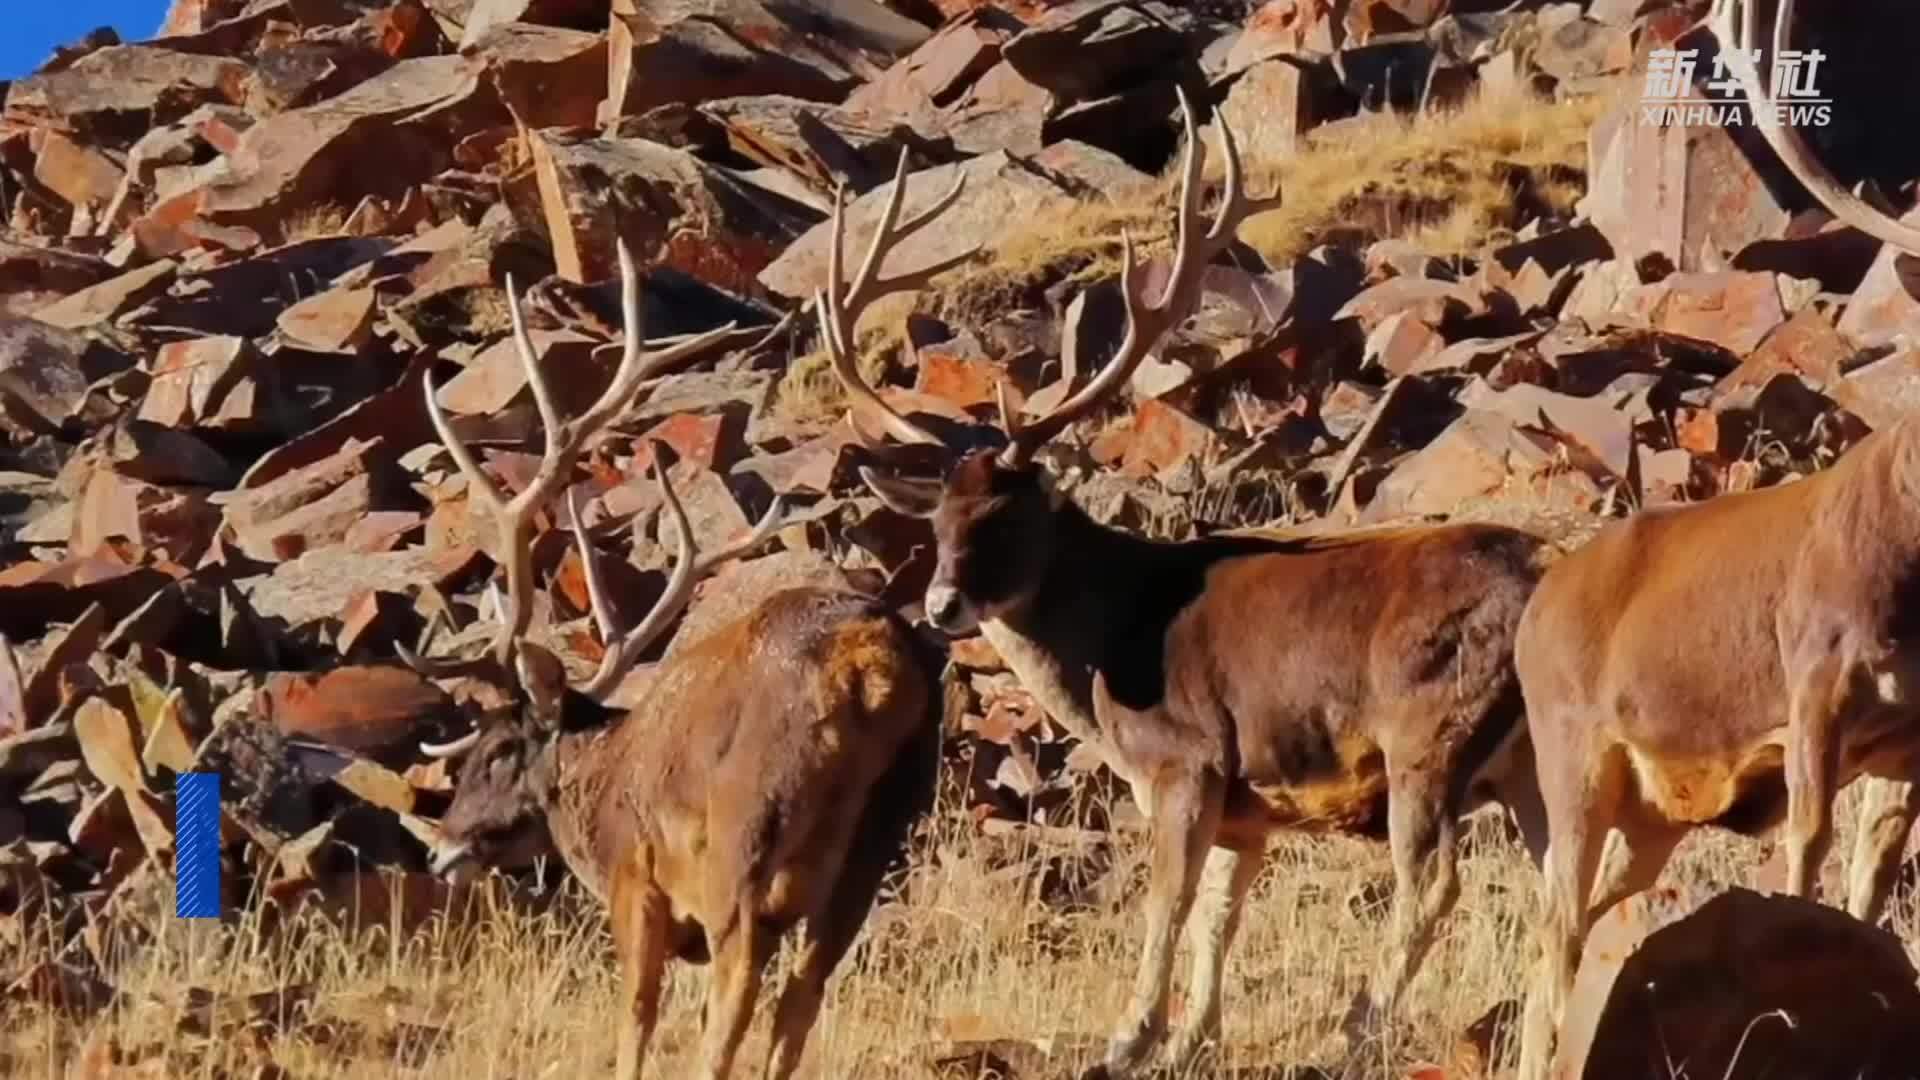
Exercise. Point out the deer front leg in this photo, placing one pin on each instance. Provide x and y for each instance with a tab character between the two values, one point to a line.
1812	769
1186	809
1224	883
639	913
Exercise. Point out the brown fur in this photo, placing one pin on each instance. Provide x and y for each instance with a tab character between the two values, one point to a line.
1243	684
769	776
1732	663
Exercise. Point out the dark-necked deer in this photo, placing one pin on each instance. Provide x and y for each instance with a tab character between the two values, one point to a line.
1731	663
1239	685
768	775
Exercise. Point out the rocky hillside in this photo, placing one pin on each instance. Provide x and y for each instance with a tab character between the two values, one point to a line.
232	254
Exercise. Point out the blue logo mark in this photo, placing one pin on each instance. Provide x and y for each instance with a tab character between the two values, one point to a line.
196	845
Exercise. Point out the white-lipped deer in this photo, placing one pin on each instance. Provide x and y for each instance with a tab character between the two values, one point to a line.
1732	663
767	776
1240	685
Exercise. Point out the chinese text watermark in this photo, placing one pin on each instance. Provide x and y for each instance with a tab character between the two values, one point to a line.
1794	98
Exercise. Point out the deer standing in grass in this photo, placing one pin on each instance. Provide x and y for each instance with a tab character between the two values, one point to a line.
769	774
1240	685
1731	663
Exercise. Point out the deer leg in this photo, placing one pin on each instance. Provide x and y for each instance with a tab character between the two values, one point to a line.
1421	829
1812	768
1580	808
1187	807
1886	817
739	950
640	939
1632	865
828	937
1225	880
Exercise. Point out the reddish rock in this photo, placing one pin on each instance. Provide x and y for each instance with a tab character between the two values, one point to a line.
1731	309
364	709
80	174
1887	303
549	77
1806	344
695	60
1003	194
1675	190
126	90
961	381
379	138
714	441
110	298
315	505
158	519
338	320
1163	438
1284	28
1403	343
201	382
1434	303
1273	105
671	208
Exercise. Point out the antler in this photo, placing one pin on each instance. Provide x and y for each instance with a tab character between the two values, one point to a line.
1148	323
625	647
840	311
564	440
1736	37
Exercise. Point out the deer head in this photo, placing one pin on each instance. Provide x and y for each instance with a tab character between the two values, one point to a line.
994	514
507	779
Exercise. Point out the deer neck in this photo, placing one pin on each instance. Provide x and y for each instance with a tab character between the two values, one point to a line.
575	791
1053	641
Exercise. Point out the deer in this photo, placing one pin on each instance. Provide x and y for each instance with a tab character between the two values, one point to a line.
767	776
1358	683
1729	664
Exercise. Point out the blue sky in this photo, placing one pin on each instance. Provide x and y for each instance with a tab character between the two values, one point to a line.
33	27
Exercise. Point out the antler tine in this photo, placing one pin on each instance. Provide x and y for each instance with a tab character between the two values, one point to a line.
1147	322
624	649
840	311
563	443
769	523
590	563
1785	141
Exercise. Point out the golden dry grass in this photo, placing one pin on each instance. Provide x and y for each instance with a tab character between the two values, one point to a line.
982	948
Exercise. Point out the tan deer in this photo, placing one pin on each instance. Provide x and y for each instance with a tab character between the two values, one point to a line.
1240	685
1731	663
768	775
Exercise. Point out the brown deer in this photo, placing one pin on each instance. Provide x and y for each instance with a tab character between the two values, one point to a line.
1730	663
1240	685
768	776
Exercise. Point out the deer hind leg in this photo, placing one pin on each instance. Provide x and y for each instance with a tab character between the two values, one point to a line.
1187	807
1421	829
831	932
1886	817
1582	802
739	949
639	912
1225	880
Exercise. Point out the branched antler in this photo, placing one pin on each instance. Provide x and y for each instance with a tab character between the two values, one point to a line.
1736	34
565	439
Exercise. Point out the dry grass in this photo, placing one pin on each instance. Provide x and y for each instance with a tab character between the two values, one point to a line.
983	947
1442	180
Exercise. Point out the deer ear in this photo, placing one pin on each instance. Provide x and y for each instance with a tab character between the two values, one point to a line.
544	680
914	498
